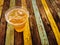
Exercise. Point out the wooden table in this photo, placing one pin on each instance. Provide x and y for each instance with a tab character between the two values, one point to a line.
42	28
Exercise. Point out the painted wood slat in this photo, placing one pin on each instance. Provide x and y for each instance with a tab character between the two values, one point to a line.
18	36
1	6
3	22
12	3
40	25
24	3
10	29
26	33
33	26
9	35
52	22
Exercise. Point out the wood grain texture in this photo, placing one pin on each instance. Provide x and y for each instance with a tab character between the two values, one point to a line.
3	22
50	34
41	29
1	6
33	25
54	13
57	3
10	29
27	35
55	7
52	22
18	37
23	3
8	36
18	2
26	32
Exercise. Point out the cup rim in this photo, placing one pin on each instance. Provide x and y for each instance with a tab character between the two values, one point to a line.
14	8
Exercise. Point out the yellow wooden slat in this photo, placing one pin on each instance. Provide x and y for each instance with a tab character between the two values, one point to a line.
26	33
1	2
1	6
52	22
23	3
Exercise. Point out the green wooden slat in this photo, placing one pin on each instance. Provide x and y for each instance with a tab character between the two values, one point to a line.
41	29
9	35
12	3
55	6
10	29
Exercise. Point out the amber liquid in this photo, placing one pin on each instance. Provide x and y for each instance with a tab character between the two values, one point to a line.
18	18
21	22
18	28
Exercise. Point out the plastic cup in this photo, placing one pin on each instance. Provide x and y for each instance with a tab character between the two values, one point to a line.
17	16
